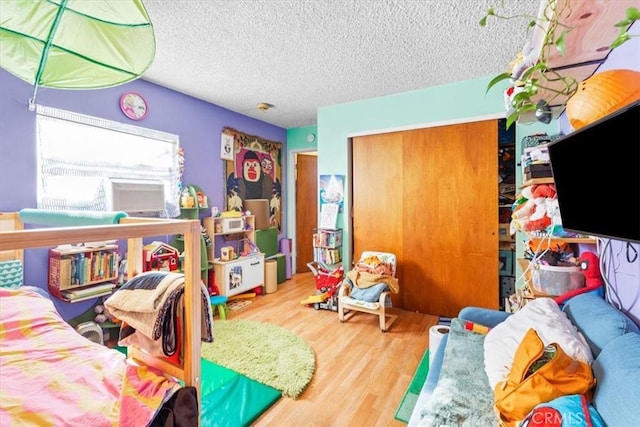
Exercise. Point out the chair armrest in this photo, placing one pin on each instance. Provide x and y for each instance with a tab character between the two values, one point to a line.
383	297
344	290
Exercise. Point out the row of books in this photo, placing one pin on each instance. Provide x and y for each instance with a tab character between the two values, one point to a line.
93	266
327	255
327	238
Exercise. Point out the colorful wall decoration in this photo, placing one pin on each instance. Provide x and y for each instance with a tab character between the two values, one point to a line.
332	190
255	172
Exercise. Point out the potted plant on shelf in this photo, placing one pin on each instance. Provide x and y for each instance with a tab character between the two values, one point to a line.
535	84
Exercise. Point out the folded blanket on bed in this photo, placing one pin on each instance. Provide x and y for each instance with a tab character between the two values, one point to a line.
149	303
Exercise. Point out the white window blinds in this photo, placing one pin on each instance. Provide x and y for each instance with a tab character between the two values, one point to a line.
77	155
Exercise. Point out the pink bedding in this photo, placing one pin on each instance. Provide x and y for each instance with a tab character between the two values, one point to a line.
52	376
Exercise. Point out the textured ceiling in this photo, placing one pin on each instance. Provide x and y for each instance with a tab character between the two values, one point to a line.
302	55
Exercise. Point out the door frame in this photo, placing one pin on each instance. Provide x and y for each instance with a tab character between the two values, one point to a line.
291	199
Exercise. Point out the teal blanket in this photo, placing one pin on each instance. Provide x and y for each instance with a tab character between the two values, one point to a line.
463	396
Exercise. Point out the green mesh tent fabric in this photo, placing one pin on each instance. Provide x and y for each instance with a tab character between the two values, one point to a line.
75	44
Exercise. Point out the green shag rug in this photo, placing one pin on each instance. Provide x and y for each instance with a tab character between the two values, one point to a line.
263	352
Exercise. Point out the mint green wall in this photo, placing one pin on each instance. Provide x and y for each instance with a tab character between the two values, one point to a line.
296	143
447	104
297	139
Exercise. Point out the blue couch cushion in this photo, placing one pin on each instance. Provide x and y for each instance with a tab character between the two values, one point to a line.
598	320
617	372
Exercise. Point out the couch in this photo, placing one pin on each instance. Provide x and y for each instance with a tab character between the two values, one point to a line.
458	392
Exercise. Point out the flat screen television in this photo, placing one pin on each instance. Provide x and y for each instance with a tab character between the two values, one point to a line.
596	171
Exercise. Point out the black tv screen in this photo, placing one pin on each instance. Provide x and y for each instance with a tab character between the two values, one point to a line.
596	171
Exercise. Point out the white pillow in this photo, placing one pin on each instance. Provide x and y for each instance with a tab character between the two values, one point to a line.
551	324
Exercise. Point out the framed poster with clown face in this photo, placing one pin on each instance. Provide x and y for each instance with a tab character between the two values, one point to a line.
255	172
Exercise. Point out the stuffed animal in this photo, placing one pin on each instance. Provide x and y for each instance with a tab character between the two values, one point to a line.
522	210
536	210
103	314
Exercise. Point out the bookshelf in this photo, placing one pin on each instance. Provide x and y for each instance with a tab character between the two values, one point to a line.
79	273
327	245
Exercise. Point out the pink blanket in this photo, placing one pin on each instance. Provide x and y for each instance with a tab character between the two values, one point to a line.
52	376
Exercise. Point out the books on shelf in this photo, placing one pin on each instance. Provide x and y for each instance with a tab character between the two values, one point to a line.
327	238
88	292
327	255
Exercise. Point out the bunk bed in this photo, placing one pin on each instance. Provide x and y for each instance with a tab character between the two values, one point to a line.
149	386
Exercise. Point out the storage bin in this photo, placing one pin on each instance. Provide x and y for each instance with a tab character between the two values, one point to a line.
555	280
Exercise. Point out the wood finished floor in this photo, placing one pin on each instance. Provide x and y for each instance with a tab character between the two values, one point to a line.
361	373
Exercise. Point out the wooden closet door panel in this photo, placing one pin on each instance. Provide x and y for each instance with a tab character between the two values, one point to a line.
432	195
450	218
377	196
306	209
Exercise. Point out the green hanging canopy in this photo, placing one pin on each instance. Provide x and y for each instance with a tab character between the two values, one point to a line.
75	44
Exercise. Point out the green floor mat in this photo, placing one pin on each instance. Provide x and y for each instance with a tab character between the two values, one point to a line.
231	399
408	402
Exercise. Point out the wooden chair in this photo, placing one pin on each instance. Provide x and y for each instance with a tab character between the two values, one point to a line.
349	306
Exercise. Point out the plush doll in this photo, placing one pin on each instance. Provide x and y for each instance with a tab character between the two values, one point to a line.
522	210
103	314
545	210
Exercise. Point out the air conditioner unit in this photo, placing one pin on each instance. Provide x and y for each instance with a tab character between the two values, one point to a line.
138	197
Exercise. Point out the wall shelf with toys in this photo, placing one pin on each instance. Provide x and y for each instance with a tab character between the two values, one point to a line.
192	202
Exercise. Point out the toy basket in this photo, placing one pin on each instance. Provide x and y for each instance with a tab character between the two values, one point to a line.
326	279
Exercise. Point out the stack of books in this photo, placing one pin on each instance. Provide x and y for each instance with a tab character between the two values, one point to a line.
88	292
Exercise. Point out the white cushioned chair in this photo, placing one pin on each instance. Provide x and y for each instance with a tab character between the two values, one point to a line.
367	288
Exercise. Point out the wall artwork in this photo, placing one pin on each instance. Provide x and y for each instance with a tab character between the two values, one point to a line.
332	190
254	172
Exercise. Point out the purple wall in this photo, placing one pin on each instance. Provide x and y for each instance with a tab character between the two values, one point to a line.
198	123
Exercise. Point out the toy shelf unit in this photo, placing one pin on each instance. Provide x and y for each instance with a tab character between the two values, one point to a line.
78	273
236	232
240	275
192	202
237	262
327	246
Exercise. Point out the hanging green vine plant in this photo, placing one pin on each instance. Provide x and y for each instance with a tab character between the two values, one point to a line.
531	73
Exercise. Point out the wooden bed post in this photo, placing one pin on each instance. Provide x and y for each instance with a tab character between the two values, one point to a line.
190	371
192	307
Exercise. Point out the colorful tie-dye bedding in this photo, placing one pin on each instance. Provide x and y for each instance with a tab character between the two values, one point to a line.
52	376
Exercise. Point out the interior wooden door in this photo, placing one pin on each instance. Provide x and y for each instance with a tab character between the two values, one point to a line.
430	195
306	208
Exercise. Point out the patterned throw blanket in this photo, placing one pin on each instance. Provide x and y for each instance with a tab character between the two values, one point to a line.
151	302
51	375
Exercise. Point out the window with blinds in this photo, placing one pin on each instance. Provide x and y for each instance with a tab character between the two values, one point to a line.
78	155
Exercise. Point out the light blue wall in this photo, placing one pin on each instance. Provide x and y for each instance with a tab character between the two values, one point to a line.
448	104
297	142
297	138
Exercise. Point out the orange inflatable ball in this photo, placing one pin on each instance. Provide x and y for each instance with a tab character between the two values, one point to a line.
602	94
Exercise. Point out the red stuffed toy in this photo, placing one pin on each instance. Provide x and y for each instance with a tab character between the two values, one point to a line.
540	218
590	264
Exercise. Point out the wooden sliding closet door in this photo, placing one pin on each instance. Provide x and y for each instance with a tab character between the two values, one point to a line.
431	196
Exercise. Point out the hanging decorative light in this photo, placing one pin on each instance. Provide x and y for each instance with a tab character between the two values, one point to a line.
602	94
